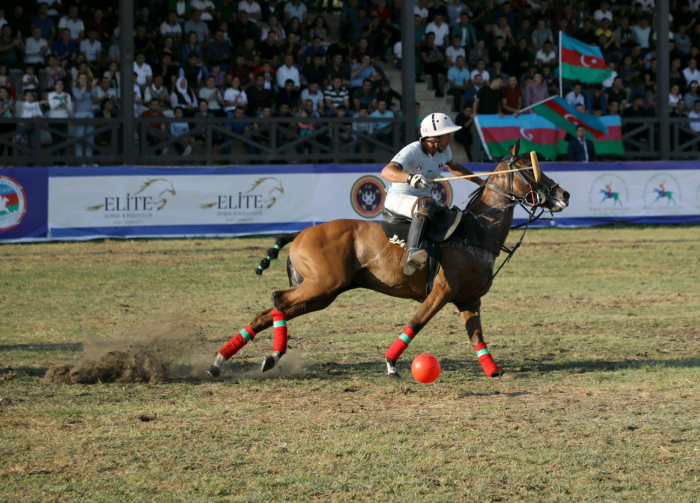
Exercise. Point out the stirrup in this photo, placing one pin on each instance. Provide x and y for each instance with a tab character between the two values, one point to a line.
415	259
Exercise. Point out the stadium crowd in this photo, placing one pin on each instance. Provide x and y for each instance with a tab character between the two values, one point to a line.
274	58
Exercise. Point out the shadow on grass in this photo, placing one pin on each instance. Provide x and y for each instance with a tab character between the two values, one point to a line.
584	366
73	346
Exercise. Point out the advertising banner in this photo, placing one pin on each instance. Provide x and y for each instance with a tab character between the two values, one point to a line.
86	203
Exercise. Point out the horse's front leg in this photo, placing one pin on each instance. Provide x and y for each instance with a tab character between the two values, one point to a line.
437	299
471	316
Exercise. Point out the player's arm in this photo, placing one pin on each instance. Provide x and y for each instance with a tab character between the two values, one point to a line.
459	170
392	172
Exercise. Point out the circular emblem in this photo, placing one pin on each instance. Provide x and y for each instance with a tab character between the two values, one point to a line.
441	192
13	203
368	196
418	169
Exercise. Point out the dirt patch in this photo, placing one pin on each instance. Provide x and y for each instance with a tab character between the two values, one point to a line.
152	351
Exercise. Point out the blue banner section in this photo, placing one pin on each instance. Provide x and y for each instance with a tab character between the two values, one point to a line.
82	203
24	198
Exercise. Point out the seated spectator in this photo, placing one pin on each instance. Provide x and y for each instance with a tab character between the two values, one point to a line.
36	48
674	96
107	110
143	43
250	53
546	55
454	51
692	95
92	50
105	91
477	53
295	10
581	149
465	31
441	31
289	96
498	51
344	136
319	29
292	47
234	97
361	127
74	24
167	71
316	71
336	95
270	51
192	47
541	34
691	73
358	24
313	94
617	93
384	127
365	97
481	70
387	94
288	72
502	30
465	135
192	72
211	94
114	77
244	28
10	48
455	9
343	49
275	28
183	97
219	76
219	52
178	128
512	97
156	137
199	27
44	22
575	97
252	9
268	74
596	99
30	80
642	33
206	7
314	49
259	97
143	71
336	69
171	28
458	80
7	111
695	114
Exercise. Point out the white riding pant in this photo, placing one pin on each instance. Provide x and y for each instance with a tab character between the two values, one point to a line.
401	204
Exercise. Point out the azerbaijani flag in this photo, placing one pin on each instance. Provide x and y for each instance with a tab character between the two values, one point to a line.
534	132
610	144
9	200
558	111
581	61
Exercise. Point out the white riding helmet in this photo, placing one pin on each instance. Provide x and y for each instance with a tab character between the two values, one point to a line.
437	125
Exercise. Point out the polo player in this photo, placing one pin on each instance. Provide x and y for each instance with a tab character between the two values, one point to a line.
412	172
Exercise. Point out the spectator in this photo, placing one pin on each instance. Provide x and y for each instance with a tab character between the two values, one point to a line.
252	9
586	33
674	96
168	71
192	72
181	128
82	99
30	80
541	35
31	109
387	94
102	92
603	13
154	138
270	81
218	51
60	107
481	71
240	70
613	108
314	49
512	97
465	135
276	29
104	32
316	71
692	95
454	11
341	47
45	23
477	53
211	94
10	48
7	111
190	48
441	31
575	97
183	97
421	9
502	29
362	71
437	8
206	7
637	110
269	50
520	58
384	128
642	33
113	75
235	97
244	28
695	114
319	29
291	46
250	53
171	28
143	71
240	128
365	97
313	94
359	25
488	100
608	83
465	31
624	36
617	93
288	72
454	51
596	101
581	149
259	97
458	79
199	27
36	48
473	89
336	95
74	24
691	73
344	136
498	51
433	62
546	55
536	91
682	40
365	128
295	9
92	50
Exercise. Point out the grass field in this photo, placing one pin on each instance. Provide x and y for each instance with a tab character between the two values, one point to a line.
603	326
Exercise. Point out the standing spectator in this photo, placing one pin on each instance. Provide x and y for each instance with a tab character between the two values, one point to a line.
465	135
211	94
473	89
31	109
259	97
60	107
36	48
180	128
82	98
74	24
7	111
512	97
288	72
691	73
183	97
458	80
454	51
10	48
465	31
252	8
240	129
336	95
199	27
575	97
45	23
235	97
536	91
143	71
488	100
153	138
581	149
92	50
433	62
441	31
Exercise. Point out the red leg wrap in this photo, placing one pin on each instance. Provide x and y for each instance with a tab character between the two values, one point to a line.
400	344
234	345
279	320
486	359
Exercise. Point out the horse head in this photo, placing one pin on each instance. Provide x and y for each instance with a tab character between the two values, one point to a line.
544	193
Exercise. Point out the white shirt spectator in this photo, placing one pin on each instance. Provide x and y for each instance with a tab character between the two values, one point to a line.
60	107
75	27
641	35
398	48
99	94
91	50
574	100
316	98
694	5
647	5
238	97
423	13
175	30
608	83
695	126
451	54
53	5
691	75
546	58
599	15
484	75
440	32
284	74
142	73
295	11
249	8
36	51
202	5
30	110
673	100
29	81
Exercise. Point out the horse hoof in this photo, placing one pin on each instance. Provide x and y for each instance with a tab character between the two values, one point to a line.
394	376
268	363
506	374
214	371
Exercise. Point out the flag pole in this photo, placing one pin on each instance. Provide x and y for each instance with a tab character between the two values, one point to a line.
561	70
538	103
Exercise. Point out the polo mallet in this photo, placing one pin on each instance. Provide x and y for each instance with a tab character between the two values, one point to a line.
535	170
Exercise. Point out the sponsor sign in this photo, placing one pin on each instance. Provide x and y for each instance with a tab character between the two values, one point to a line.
13	203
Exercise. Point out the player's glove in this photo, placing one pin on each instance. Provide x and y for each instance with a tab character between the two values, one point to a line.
418	182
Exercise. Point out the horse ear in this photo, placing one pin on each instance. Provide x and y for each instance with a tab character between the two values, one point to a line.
514	149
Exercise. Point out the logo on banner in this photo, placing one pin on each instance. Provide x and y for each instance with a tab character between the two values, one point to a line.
262	195
153	195
608	195
13	203
663	193
441	192
368	196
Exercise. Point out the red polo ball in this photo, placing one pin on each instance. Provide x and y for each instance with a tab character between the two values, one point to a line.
425	368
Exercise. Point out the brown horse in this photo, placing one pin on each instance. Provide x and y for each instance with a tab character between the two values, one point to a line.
329	259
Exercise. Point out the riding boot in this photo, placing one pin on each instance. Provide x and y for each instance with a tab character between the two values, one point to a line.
416	256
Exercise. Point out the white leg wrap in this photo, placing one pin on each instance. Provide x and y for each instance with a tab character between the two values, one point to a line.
219	361
390	369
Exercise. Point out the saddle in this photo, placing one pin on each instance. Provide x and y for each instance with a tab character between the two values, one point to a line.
448	227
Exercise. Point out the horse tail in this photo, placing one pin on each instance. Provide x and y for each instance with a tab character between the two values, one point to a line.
273	252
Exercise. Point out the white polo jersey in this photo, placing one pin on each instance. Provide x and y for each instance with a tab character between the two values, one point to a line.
414	160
